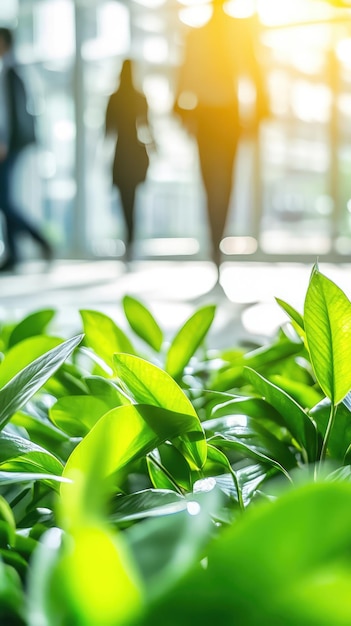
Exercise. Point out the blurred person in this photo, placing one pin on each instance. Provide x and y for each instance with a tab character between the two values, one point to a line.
216	56
16	133
126	114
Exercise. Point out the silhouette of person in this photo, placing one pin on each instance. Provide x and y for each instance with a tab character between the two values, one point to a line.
216	56
16	132
127	111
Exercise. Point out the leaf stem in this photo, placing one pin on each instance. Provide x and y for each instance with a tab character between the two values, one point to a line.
333	408
165	471
238	489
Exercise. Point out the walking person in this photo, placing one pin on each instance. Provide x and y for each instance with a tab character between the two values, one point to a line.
16	133
216	56
127	111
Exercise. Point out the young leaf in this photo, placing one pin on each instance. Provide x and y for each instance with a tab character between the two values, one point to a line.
28	381
295	316
23	353
188	339
104	336
149	384
142	322
33	324
119	437
327	317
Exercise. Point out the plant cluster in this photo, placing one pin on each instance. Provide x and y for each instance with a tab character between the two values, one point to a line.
146	481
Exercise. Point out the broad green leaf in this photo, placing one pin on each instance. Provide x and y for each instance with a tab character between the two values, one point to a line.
297	421
107	390
166	547
285	562
41	431
121	436
21	456
254	407
23	353
86	578
104	336
28	381
188	339
13	446
33	324
251	477
327	317
305	395
149	384
76	415
142	322
147	503
250	439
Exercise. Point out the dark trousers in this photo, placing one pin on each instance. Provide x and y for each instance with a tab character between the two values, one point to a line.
217	133
15	222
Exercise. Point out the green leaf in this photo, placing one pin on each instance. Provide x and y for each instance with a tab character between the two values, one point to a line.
76	415
169	460
107	390
285	562
250	439
11	596
121	436
104	336
272	354
142	322
7	524
340	436
295	317
253	407
19	452
85	578
305	395
327	317
28	381
23	353
147	503
297	421
149	384
188	339
33	324
166	547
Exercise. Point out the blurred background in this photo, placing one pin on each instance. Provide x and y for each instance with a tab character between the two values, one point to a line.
292	199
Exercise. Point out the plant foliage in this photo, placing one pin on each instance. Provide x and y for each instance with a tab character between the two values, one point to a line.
175	484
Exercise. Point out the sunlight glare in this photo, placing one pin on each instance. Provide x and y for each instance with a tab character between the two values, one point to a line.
343	52
239	8
195	16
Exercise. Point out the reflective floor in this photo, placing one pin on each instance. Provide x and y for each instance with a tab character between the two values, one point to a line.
173	290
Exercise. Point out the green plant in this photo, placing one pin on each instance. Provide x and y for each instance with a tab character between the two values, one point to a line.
147	479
